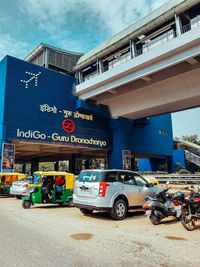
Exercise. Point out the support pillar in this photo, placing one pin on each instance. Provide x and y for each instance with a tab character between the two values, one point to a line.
121	129
24	168
56	166
34	166
178	25
100	66
133	49
133	167
170	167
87	164
47	58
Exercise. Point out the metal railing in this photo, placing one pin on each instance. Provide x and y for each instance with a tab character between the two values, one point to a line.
147	47
192	158
177	178
89	76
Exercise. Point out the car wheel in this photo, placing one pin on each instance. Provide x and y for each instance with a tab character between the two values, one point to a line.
119	210
18	197
26	204
86	212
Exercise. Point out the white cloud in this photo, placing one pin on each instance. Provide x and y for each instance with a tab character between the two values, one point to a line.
108	14
12	47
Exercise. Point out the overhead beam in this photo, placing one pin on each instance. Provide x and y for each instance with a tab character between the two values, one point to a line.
192	61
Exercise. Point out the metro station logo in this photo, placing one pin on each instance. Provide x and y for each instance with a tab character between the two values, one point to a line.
68	126
33	77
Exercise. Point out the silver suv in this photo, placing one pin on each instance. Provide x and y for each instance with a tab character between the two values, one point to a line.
115	191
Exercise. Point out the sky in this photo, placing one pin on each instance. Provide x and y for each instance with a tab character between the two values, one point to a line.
76	25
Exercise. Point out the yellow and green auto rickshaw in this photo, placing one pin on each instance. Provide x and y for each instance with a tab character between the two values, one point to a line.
50	187
6	180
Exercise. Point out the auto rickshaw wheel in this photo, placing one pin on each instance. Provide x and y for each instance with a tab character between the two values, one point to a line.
26	204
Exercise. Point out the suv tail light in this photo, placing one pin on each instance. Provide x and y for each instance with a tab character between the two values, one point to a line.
146	205
102	189
25	185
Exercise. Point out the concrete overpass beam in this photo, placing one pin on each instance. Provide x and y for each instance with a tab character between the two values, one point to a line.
170	95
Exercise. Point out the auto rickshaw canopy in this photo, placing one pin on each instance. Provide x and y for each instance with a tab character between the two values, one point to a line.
11	177
63	179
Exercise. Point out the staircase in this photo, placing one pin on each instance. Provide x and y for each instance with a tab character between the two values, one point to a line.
192	158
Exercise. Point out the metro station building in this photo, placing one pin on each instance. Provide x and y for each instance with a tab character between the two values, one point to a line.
44	115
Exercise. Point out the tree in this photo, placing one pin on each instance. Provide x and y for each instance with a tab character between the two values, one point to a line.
188	138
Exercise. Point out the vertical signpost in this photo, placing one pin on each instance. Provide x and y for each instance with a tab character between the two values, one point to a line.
8	158
126	159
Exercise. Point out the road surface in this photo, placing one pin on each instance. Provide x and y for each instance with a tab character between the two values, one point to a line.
48	235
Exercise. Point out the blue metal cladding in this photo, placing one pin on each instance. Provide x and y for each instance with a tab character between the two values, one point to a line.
141	137
151	164
178	157
155	137
29	87
3	69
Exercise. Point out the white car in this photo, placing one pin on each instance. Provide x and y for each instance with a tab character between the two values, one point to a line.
20	188
115	191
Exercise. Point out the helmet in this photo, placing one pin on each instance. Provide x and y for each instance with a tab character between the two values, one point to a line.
179	195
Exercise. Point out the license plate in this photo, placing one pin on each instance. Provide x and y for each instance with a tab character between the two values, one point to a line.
178	207
148	212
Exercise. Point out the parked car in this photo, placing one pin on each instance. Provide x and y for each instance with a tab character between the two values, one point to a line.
115	191
20	188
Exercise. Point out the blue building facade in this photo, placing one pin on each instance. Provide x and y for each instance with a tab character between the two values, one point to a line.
38	107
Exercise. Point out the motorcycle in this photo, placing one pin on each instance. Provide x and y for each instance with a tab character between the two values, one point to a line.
191	210
162	206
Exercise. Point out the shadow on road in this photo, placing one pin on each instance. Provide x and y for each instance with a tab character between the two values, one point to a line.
105	215
51	206
6	196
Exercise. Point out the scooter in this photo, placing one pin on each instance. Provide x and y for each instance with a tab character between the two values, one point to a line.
162	206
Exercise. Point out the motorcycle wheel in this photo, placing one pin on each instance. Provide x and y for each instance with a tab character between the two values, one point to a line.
154	219
188	223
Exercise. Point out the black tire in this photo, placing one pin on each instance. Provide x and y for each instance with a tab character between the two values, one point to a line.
61	203
119	210
86	212
154	219
26	204
18	197
188	223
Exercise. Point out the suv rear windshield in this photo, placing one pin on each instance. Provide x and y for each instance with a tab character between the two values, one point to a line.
91	176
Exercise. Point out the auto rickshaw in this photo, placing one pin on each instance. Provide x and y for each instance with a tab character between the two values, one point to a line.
6	180
152	180
50	187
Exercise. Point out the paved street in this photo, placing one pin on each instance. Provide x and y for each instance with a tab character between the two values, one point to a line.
61	236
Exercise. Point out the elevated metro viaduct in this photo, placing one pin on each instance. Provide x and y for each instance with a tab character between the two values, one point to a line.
41	115
150	68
